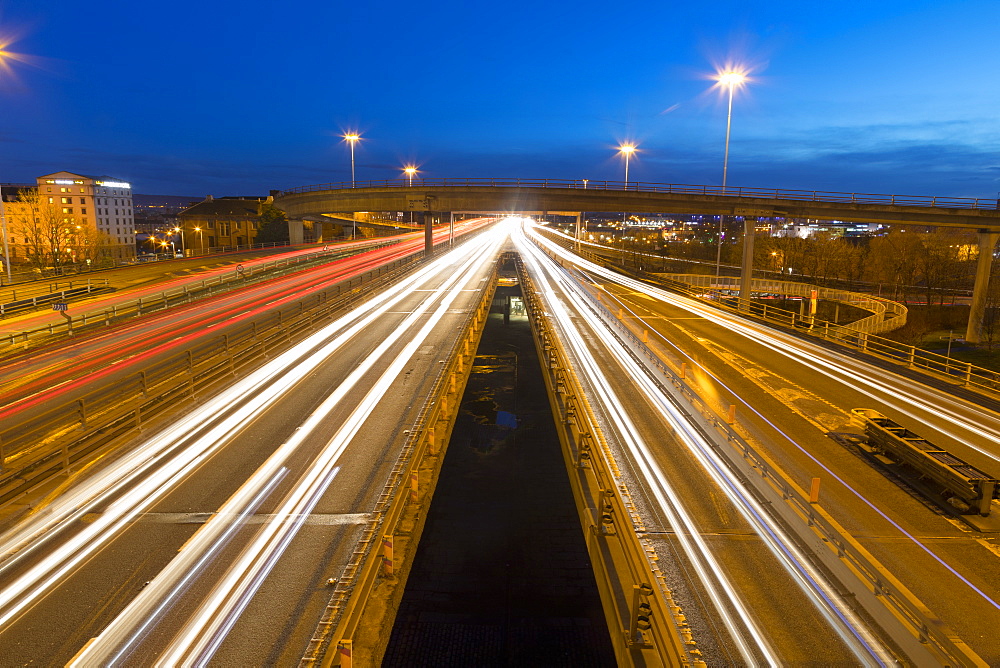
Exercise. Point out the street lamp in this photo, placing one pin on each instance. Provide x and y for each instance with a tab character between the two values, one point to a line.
180	235
201	244
627	150
6	249
4	57
352	138
410	171
729	79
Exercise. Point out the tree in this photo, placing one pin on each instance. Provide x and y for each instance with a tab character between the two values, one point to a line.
892	260
38	230
273	225
42	235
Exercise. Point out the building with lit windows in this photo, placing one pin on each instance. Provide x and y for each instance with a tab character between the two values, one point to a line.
222	222
101	201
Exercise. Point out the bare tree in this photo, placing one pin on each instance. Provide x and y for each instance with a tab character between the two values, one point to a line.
38	230
892	260
45	237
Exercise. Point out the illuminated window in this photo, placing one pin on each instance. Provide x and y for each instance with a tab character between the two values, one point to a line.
67	209
51	200
64	190
67	200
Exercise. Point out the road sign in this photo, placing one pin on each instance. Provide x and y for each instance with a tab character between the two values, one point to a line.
239	269
59	306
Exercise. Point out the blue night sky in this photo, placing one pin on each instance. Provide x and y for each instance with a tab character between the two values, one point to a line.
225	98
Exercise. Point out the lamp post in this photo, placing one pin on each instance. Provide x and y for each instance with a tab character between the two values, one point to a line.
352	138
5	55
730	80
201	242
180	235
6	249
410	171
627	150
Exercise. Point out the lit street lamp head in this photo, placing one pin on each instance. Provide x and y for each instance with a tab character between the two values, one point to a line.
627	150
731	78
352	138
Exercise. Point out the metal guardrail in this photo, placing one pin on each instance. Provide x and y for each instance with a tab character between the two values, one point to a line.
967	374
974	487
883	595
24	277
167	298
28	299
887	315
670	189
33	449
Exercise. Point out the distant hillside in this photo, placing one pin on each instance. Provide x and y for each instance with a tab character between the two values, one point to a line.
163	201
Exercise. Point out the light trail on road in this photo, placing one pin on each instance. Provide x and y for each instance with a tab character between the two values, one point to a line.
206	629
884	388
44	376
834	609
101	302
133	484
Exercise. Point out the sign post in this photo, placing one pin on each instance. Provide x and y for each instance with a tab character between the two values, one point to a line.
61	307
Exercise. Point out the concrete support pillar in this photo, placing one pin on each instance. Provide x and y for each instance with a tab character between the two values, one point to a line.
428	233
451	229
579	230
296	235
325	231
987	244
746	270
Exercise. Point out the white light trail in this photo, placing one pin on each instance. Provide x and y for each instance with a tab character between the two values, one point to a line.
858	376
728	604
838	614
204	632
132	484
884	387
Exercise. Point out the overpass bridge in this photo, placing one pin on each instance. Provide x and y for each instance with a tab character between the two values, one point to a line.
437	198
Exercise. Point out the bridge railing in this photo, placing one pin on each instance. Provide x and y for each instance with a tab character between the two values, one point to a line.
670	189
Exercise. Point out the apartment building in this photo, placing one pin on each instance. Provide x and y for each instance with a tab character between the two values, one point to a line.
101	201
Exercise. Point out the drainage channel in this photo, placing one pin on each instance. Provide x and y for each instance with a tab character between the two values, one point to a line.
502	576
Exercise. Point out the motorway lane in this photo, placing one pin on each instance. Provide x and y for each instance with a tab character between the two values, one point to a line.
744	603
806	392
161	333
55	372
150	278
392	357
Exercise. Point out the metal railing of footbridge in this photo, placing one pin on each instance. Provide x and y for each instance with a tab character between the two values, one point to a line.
670	189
